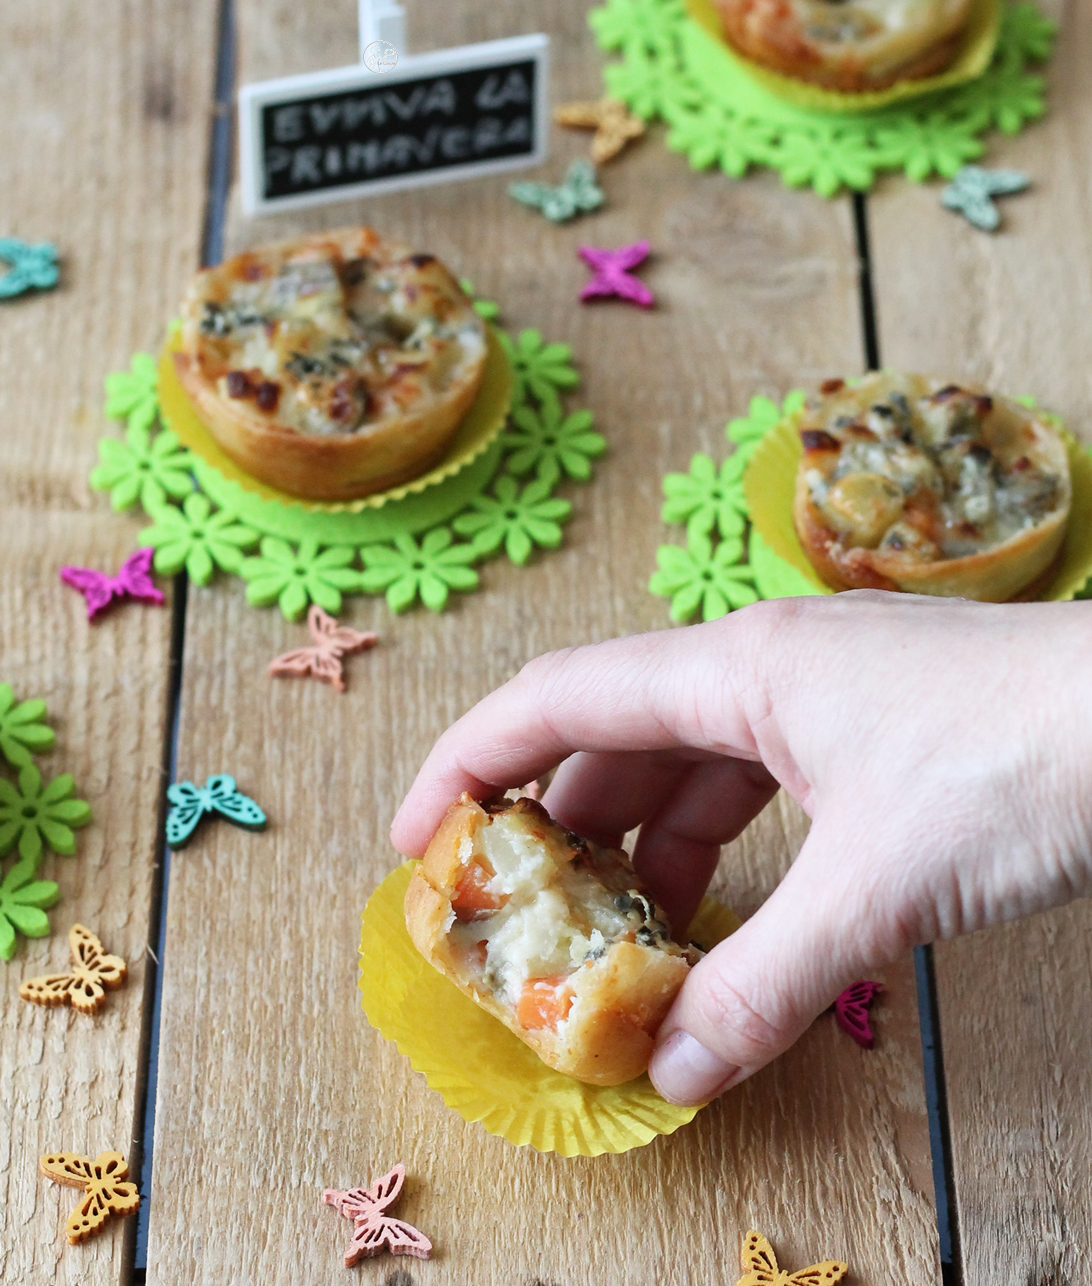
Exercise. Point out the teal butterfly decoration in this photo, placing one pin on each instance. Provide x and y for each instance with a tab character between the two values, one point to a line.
972	190
30	267
219	795
577	195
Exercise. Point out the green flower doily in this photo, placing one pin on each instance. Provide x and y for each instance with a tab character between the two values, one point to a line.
407	550
674	70
23	900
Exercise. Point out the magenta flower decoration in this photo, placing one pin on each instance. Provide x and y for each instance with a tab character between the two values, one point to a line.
613	278
851	1012
133	581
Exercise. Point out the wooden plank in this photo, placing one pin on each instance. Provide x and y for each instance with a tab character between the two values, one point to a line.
103	133
1011	310
271	1084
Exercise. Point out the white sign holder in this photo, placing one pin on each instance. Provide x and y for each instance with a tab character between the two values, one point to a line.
382	21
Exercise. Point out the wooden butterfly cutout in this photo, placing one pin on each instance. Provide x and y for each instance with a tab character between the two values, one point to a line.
760	1268
133	581
101	1181
851	1012
218	795
374	1231
332	642
93	974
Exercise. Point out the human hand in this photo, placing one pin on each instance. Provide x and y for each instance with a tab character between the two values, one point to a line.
940	747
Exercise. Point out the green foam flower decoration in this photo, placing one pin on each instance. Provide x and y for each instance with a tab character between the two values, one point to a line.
292	578
707	497
551	442
133	395
701	578
405	569
31	815
196	538
762	414
933	143
538	368
637	26
483	307
828	161
144	467
1026	33
710	135
518	521
1007	97
647	86
22	906
22	731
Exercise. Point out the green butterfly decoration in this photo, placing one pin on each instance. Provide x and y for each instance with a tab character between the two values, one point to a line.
219	794
579	194
972	190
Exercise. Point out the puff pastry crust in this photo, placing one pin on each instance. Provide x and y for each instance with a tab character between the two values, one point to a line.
332	366
917	484
550	933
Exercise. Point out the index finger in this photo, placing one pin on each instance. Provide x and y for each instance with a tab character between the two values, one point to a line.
698	687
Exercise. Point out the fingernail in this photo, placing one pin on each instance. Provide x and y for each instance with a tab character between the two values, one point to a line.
686	1073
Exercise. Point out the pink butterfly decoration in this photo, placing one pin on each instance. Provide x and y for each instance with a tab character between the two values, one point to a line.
851	1012
612	275
374	1231
133	581
332	642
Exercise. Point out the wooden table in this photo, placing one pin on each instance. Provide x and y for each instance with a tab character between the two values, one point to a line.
270	1083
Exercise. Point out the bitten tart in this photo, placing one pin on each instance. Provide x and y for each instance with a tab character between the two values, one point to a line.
848	45
550	933
916	484
332	366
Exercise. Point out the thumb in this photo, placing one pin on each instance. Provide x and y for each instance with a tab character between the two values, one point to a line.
756	992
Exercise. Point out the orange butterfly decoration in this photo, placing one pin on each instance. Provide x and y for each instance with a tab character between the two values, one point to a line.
760	1268
93	974
101	1180
332	642
373	1230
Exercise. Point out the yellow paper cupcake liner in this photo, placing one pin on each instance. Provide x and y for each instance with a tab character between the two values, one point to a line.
484	1072
480	427
770	482
975	53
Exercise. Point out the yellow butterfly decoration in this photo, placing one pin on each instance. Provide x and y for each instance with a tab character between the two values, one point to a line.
101	1180
760	1268
93	974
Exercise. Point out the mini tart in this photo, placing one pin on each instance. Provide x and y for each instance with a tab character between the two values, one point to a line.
851	46
551	934
909	483
332	366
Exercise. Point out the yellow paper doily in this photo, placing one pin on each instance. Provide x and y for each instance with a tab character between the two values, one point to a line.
478	430
975	53
479	1068
770	482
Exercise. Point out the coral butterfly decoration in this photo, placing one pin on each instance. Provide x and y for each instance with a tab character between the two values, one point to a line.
760	1268
133	581
851	1012
374	1231
101	1181
332	642
84	988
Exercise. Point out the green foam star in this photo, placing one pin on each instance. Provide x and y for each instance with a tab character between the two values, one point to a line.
517	520
31	815
22	906
703	578
30	267
538	368
144	467
707	497
196	538
22	731
405	570
551	442
292	578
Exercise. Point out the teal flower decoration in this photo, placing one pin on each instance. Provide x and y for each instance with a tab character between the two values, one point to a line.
196	538
31	815
133	395
294	578
748	431
701	577
144	468
828	161
538	368
405	570
22	731
707	498
30	267
637	26
1026	33
518	521
927	144
22	906
551	442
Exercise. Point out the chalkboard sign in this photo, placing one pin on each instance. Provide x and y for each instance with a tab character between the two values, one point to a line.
331	135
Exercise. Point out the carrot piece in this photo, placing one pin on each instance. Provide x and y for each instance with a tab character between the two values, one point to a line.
544	1002
472	899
